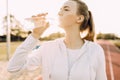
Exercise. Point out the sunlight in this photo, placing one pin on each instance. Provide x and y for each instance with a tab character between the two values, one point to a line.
105	13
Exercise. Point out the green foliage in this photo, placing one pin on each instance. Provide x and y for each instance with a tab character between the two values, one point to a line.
16	29
107	36
53	36
116	42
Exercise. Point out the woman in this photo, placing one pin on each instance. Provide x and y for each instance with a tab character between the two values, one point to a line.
71	58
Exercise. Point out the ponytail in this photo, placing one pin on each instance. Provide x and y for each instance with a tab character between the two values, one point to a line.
91	30
87	24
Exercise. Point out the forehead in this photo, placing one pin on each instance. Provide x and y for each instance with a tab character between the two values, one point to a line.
70	4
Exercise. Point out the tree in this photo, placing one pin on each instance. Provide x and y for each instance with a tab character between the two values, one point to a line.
15	27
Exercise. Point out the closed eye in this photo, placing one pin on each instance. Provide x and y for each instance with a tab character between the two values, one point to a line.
66	9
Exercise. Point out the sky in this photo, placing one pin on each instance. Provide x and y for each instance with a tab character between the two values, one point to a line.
106	13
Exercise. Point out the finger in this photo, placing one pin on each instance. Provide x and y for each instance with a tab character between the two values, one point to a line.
33	16
38	18
43	14
39	15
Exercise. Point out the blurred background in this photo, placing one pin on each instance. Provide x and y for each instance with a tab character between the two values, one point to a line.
14	28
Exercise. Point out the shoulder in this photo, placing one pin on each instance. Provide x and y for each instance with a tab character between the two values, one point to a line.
96	50
94	45
96	53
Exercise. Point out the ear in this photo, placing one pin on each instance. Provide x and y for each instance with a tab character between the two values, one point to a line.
80	19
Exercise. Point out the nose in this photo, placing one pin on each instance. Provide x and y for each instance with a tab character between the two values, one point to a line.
60	13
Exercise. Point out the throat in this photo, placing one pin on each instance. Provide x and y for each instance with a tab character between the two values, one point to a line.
74	44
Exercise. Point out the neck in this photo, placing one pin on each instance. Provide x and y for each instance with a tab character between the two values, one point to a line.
73	39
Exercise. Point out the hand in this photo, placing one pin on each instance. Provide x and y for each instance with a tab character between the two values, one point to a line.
40	24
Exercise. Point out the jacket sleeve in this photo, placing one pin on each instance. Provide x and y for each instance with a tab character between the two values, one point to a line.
101	66
25	57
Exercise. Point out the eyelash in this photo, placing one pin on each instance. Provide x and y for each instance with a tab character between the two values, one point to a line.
66	9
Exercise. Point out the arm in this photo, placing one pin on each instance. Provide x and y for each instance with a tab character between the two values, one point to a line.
21	58
101	67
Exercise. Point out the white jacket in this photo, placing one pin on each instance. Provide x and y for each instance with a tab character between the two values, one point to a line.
52	56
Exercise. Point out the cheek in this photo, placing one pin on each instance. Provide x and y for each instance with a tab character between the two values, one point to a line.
69	19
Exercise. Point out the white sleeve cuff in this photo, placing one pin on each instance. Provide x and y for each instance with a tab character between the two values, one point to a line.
29	43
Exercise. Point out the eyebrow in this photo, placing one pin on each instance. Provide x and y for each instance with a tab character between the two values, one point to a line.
66	7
